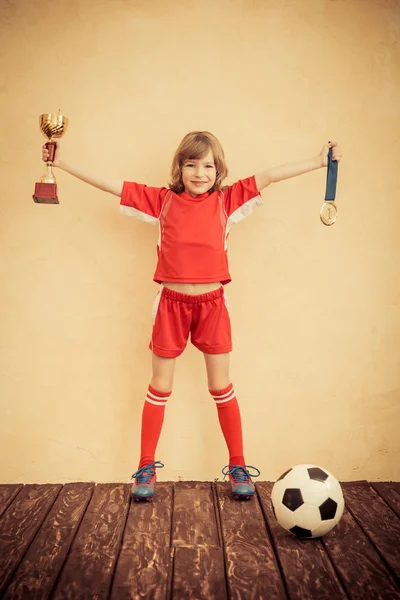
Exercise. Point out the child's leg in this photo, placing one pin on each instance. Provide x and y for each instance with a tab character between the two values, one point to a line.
222	391
154	407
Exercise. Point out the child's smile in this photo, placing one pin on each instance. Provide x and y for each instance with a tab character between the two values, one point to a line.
198	175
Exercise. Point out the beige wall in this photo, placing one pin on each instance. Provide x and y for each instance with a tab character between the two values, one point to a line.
315	310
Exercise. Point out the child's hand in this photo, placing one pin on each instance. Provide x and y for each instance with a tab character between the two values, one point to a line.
45	152
336	153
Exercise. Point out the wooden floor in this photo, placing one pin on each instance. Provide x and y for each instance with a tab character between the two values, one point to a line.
82	540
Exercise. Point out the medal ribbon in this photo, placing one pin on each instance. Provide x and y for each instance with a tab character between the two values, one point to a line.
331	178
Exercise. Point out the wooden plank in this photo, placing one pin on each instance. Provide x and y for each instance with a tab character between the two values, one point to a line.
19	525
198	570
144	563
41	565
144	567
88	570
193	520
306	567
377	520
217	513
390	492
361	571
199	573
252	569
7	495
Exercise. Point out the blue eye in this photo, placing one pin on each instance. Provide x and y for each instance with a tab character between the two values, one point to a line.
192	165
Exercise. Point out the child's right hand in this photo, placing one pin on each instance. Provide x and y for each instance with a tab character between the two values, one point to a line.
45	152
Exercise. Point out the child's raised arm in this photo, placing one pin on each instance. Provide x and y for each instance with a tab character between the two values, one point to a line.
113	187
282	172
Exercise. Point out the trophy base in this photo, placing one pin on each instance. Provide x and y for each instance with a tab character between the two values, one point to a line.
45	193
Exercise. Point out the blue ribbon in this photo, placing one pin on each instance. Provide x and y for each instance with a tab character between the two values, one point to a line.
331	178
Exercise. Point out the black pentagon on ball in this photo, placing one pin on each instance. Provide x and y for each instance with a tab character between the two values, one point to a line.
328	509
301	532
317	474
292	498
284	474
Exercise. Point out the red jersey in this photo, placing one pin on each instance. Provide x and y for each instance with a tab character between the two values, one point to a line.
193	232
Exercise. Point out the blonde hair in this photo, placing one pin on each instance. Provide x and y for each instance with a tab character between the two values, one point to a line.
195	145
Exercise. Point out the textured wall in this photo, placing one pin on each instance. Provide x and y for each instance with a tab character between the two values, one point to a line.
315	310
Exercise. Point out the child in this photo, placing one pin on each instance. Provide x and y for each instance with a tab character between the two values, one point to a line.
194	216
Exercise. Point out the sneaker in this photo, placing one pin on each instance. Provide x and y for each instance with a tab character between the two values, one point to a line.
143	488
239	476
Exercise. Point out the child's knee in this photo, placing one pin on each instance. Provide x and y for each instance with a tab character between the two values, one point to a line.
163	373
162	384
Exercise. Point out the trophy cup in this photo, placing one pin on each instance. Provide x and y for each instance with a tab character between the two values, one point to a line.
51	125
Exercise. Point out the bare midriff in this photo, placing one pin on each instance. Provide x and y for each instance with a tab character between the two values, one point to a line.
192	289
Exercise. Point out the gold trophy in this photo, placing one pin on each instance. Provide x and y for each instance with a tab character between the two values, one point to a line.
51	125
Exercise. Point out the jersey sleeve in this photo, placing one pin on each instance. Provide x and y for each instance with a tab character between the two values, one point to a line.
241	198
141	202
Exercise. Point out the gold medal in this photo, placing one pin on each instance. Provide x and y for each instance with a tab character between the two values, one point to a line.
328	213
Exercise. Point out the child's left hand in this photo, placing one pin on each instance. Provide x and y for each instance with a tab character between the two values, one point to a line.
336	153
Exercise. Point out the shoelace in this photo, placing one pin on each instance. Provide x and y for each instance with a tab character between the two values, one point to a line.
146	473
241	474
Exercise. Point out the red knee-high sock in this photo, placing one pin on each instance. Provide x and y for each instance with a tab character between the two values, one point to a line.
152	422
231	423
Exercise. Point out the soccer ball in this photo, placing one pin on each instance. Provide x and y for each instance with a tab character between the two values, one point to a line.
307	500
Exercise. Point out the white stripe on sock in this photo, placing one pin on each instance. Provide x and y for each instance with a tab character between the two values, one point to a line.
224	397
156	403
157	400
155	397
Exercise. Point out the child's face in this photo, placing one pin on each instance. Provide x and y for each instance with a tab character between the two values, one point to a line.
199	175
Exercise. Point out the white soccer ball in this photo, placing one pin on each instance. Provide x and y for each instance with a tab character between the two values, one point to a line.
307	500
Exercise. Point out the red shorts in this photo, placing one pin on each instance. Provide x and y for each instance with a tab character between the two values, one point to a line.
205	317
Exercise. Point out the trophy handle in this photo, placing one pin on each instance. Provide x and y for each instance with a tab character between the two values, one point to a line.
51	147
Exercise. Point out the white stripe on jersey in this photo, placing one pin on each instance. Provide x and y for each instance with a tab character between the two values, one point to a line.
137	214
241	213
